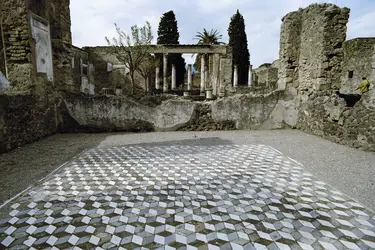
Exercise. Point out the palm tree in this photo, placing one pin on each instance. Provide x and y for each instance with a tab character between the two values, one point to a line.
211	37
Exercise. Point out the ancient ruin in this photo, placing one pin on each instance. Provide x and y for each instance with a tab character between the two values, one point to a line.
48	85
209	190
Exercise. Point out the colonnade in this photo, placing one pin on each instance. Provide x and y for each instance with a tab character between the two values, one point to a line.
205	83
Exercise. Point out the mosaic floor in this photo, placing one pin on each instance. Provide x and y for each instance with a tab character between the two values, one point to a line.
185	197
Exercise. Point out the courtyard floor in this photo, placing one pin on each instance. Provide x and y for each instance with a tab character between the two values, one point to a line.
196	190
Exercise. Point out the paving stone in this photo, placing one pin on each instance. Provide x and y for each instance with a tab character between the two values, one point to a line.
185	197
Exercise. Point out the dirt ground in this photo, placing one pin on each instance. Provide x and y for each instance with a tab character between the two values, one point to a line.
24	166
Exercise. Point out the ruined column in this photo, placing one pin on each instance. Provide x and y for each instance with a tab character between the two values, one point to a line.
235	76
190	77
165	65
157	80
250	81
203	75
215	74
206	76
174	85
220	86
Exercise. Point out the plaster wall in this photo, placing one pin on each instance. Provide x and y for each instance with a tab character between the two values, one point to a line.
43	49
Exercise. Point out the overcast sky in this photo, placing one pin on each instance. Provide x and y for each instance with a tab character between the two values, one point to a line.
93	20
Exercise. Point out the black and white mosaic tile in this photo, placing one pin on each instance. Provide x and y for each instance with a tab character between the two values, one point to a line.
185	197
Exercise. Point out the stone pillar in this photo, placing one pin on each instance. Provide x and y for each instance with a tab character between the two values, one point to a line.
220	86
190	77
250	81
235	76
215	74
174	85
203	75
206	76
157	78
165	65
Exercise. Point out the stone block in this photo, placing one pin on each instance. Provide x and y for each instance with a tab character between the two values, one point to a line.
324	65
321	84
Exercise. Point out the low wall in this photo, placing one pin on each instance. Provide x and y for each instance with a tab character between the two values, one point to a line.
24	118
248	111
112	113
326	114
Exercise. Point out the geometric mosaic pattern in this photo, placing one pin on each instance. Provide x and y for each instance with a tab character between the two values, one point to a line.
185	197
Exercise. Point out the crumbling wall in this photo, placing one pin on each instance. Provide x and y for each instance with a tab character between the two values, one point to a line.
117	77
111	113
226	74
19	18
311	51
69	72
325	114
315	62
290	40
203	120
25	118
322	109
311	47
311	55
15	24
66	76
2	54
247	111
122	114
59	17
266	76
358	62
28	110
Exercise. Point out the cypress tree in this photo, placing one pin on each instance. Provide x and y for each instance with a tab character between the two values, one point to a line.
168	34
238	42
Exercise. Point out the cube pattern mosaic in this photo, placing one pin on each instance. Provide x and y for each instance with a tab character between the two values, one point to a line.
185	197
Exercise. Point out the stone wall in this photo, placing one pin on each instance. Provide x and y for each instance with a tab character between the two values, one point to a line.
358	62
15	23
68	72
266	76
319	72
313	76
111	113
325	114
25	118
204	121
322	109
247	111
116	78
311	54
2	52
59	17
20	20
290	40
28	110
311	51
122	114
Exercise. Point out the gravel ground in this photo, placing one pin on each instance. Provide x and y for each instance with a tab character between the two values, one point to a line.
25	166
349	170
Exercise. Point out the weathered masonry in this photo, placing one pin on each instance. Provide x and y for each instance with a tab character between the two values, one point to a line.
37	43
47	85
215	81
